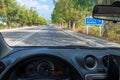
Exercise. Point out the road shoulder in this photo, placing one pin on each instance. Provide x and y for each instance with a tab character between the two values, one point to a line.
93	41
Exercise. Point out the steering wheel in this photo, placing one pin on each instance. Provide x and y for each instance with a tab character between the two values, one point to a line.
11	72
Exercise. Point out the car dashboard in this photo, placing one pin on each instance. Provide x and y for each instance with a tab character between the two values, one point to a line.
57	63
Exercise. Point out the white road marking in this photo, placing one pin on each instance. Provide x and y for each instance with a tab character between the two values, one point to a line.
20	40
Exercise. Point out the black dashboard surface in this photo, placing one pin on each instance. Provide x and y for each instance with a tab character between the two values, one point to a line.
76	56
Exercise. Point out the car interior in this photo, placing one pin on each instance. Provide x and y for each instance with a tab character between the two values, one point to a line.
63	62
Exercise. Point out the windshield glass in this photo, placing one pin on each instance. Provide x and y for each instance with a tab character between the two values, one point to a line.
56	23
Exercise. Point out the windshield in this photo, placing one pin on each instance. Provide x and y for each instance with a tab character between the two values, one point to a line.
56	23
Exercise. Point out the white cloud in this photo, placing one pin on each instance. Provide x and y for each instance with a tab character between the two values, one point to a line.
43	9
44	0
33	3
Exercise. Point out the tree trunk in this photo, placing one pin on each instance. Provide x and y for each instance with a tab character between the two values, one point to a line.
109	2
73	26
105	31
69	24
9	24
62	24
22	24
100	2
16	25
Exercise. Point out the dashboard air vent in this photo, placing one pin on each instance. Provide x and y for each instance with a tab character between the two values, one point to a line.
90	62
105	61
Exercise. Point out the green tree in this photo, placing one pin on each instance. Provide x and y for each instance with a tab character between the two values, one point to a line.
11	12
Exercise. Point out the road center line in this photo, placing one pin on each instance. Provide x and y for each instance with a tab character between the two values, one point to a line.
24	38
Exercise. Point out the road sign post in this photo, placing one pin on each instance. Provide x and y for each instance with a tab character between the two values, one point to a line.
100	30
92	21
87	29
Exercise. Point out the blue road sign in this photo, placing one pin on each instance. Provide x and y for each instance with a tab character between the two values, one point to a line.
92	21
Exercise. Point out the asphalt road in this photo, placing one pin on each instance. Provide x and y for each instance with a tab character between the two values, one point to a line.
49	36
40	36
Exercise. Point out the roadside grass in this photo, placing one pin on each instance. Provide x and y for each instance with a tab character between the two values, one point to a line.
3	27
13	26
113	34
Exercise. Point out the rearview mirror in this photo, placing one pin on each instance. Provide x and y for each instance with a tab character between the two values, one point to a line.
107	12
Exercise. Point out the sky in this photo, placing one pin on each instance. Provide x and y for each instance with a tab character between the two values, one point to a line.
43	7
